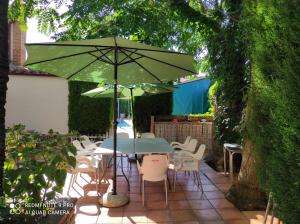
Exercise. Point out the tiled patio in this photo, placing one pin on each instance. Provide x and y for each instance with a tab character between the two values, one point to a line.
186	205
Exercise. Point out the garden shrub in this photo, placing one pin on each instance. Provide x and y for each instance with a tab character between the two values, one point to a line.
35	170
273	123
145	106
88	115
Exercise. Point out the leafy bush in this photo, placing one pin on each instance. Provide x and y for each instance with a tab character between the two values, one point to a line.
88	115
145	106
35	169
209	115
273	122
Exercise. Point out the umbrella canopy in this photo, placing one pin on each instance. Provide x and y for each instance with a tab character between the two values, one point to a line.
94	60
112	61
129	90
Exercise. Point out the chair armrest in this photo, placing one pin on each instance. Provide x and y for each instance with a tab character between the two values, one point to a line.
91	147
175	143
98	143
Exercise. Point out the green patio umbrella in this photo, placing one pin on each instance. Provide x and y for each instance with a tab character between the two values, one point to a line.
125	91
113	61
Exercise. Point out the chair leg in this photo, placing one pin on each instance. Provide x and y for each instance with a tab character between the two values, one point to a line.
268	208
231	165
96	181
166	189
195	178
75	179
199	180
143	192
71	183
225	165
140	184
174	180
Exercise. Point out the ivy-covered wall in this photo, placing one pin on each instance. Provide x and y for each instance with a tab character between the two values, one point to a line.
88	115
273	124
145	106
227	67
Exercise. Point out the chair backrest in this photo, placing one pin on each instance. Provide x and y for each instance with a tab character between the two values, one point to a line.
86	143
147	135
187	140
191	147
86	138
154	167
200	152
122	135
77	145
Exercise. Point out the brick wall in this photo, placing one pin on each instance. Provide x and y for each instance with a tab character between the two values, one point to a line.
17	50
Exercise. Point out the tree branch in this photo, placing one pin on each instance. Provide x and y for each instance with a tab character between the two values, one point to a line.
183	8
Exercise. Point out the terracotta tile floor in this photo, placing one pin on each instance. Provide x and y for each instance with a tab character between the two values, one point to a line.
186	205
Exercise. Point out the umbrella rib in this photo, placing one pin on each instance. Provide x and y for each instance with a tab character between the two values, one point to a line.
97	59
131	60
156	50
95	45
141	66
103	55
84	67
100	50
163	62
121	62
99	93
61	57
100	59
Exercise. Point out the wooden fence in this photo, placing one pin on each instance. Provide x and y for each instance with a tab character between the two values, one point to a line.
178	131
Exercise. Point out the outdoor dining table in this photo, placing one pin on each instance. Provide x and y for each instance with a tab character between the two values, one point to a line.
134	146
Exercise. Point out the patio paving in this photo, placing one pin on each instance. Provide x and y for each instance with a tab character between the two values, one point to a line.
186	205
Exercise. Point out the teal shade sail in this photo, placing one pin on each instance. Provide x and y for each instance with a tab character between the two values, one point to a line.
191	97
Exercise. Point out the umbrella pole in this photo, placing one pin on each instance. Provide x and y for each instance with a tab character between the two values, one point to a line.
115	127
114	199
135	158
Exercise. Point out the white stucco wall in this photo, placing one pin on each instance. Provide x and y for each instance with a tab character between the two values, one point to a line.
39	102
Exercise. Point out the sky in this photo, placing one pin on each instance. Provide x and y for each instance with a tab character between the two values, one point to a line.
32	34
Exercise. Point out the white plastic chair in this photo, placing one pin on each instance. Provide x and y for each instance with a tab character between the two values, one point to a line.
85	164
147	135
188	161
178	144
154	168
191	146
82	151
87	143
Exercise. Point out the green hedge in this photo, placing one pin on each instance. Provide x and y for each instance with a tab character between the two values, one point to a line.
88	115
145	106
274	99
